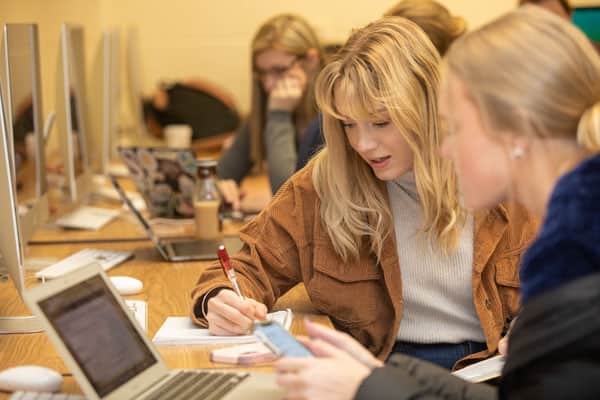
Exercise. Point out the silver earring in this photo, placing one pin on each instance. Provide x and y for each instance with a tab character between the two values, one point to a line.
516	153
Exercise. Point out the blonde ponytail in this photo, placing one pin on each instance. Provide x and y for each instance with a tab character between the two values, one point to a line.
588	130
546	93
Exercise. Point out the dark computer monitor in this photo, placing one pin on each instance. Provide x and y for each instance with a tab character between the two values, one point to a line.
588	20
105	83
72	112
11	243
24	126
134	82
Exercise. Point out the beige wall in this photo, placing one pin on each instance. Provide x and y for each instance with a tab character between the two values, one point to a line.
210	39
201	38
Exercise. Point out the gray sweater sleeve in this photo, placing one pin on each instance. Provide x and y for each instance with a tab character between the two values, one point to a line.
407	378
280	143
235	163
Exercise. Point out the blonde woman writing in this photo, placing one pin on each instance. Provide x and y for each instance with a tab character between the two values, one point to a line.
440	26
286	58
521	99
373	225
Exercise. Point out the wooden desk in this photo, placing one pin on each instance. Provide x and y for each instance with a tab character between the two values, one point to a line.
166	290
125	227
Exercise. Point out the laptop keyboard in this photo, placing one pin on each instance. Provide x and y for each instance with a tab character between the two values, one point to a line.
45	396
85	217
197	385
106	258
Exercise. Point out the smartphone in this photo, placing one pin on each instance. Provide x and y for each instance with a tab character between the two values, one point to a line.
273	335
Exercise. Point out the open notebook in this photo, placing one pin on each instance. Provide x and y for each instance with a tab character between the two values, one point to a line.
181	330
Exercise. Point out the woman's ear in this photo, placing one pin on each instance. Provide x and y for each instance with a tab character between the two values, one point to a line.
312	59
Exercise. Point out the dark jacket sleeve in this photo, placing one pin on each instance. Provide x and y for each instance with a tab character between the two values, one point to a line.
405	378
312	141
235	163
554	346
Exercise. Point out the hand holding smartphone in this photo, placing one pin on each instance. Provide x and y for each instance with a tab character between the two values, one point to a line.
279	340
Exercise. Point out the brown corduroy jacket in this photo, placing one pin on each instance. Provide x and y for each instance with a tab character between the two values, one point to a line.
287	244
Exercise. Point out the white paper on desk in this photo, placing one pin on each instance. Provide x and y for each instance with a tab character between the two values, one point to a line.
483	370
181	330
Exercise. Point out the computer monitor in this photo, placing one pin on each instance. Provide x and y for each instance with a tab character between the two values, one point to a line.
72	112
106	101
588	20
24	126
11	249
134	82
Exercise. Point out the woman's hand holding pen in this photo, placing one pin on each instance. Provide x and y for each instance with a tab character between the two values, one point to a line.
229	315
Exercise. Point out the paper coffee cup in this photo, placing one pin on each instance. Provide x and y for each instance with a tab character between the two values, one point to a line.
30	145
178	136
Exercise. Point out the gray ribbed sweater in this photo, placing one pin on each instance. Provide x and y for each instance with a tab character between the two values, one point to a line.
436	288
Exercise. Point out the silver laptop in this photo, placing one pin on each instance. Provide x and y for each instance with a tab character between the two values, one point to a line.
109	354
181	248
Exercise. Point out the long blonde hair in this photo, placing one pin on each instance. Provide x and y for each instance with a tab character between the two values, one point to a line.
291	34
389	63
441	27
539	76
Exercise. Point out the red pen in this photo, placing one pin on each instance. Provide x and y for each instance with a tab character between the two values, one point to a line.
228	269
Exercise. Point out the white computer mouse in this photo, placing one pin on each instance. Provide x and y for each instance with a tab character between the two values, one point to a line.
30	378
126	285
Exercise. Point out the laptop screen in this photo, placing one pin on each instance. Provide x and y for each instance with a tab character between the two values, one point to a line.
98	334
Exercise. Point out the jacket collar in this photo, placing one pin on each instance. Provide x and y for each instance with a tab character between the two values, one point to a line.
489	227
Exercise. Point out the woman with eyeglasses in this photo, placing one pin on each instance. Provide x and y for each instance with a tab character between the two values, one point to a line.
286	58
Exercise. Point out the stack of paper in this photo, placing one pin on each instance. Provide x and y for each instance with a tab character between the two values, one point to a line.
181	330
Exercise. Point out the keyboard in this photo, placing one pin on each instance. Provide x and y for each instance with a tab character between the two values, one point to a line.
45	396
197	385
106	258
85	217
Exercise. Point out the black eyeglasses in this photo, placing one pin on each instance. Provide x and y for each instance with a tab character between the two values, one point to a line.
276	72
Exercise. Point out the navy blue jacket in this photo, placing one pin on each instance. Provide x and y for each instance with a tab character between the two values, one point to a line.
568	245
311	143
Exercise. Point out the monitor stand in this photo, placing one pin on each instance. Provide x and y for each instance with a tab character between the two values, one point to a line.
19	324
